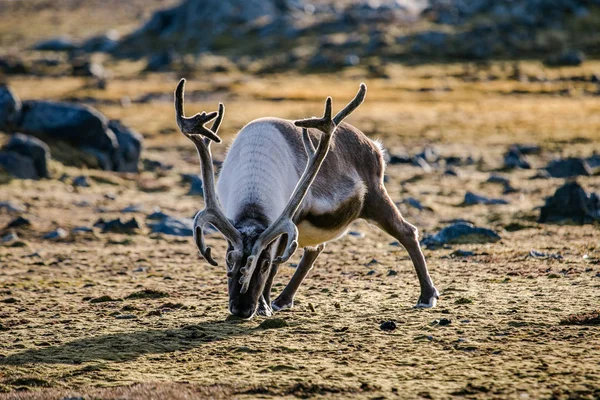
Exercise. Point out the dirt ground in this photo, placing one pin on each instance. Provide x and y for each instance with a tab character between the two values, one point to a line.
504	339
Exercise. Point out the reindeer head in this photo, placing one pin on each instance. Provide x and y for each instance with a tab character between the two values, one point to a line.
255	244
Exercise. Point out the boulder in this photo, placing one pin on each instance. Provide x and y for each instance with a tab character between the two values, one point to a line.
570	202
80	125
33	148
17	165
130	147
61	43
568	167
10	107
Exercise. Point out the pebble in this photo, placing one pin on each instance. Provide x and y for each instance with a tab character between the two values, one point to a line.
81	181
568	167
10	207
57	234
388	326
473	199
19	221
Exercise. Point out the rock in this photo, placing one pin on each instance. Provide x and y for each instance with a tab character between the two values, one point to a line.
473	199
10	107
451	172
19	221
513	158
568	58
17	165
400	159
461	253
498	179
9	238
388	326
527	149
130	147
593	161
538	254
154	165
10	207
196	187
461	233
444	322
568	167
168	225
57	234
61	43
570	202
13	66
134	208
104	43
118	226
81	229
33	148
160	61
79	125
411	201
88	69
81	181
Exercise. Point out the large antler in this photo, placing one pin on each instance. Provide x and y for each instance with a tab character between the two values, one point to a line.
193	128
284	225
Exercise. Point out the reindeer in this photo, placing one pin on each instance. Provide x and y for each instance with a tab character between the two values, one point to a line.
273	196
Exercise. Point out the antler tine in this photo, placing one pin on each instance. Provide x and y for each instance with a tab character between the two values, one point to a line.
284	225
193	128
195	124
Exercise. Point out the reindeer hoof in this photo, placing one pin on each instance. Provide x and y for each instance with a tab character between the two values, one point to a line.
428	300
264	309
282	304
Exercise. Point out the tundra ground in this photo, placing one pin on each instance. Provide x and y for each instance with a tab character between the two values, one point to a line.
60	337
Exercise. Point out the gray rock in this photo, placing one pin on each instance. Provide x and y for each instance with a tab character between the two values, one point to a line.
10	107
130	147
411	201
473	199
513	158
80	125
196	187
168	225
31	147
134	208
61	43
57	234
81	229
570	202
10	207
568	167
118	226
18	165
81	181
9	237
88	69
19	221
104	43
568	58
461	233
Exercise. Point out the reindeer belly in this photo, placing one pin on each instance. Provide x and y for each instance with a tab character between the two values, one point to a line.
318	226
311	236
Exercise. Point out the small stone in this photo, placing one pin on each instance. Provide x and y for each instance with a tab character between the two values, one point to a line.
371	272
391	272
513	158
444	322
134	208
18	222
461	233
273	323
473	199
10	207
118	226
81	181
125	316
9	237
461	253
388	326
57	234
82	229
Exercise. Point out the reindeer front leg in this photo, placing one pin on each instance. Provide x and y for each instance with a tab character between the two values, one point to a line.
286	299
264	303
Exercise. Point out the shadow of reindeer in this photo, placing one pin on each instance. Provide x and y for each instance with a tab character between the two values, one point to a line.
120	347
